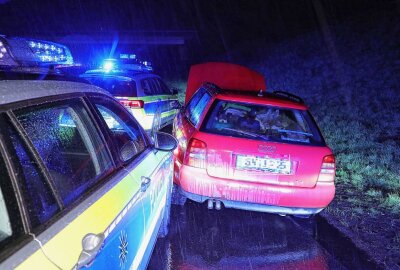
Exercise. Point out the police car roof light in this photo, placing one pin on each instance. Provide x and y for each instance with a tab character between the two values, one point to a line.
124	64
23	52
109	64
127	56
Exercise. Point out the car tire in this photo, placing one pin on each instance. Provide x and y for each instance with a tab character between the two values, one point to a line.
177	197
164	228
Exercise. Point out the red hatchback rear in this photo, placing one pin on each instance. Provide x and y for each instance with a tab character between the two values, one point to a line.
251	150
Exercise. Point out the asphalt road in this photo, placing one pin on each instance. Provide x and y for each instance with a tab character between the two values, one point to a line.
234	239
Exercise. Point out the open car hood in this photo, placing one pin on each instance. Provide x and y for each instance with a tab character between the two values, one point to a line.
225	75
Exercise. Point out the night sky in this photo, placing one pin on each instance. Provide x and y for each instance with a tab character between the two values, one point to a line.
209	28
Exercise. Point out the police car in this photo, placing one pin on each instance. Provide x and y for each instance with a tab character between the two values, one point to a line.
137	88
81	183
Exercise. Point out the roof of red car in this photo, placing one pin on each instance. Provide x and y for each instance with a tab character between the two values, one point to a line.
226	76
266	99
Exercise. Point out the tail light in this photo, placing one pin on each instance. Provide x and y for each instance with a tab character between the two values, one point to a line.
328	169
196	154
133	104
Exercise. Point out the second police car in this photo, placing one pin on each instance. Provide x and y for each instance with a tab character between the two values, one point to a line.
81	183
132	82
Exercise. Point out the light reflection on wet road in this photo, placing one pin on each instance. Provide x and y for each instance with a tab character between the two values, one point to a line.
233	239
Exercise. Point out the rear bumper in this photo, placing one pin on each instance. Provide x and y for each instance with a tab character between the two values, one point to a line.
255	206
197	185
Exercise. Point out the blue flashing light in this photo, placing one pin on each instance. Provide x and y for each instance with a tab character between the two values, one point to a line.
125	63
109	64
5	57
15	51
49	52
127	56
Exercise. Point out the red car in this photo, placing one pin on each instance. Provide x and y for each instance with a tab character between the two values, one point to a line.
245	148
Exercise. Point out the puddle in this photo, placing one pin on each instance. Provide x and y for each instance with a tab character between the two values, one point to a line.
342	247
234	239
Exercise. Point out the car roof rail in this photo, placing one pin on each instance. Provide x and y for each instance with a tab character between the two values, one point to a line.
289	96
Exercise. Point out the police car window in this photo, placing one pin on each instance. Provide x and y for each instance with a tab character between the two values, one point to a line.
164	88
117	88
149	87
38	197
123	89
10	219
156	86
197	105
5	220
5	224
125	132
68	144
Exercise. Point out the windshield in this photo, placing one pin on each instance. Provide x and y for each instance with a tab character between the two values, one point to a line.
261	122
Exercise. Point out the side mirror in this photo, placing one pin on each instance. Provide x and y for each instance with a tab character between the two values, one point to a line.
164	141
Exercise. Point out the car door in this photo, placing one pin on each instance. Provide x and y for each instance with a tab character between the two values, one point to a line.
16	245
170	103
153	168
186	122
97	200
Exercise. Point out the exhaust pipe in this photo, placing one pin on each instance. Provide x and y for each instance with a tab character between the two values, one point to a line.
218	205
210	204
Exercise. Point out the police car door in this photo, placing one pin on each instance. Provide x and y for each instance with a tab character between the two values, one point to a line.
149	173
16	245
170	105
78	208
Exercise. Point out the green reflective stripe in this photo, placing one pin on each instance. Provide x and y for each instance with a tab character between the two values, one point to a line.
153	98
168	113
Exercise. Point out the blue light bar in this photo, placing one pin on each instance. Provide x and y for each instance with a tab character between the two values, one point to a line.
127	62
5	57
109	65
127	56
29	52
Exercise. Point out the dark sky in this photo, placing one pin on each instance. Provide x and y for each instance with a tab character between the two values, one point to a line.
214	26
233	19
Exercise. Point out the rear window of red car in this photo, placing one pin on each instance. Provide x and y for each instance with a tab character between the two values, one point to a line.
261	122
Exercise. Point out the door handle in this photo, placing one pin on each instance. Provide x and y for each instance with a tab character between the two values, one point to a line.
91	245
145	183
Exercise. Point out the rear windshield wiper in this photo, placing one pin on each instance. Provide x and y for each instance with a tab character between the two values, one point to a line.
295	132
248	134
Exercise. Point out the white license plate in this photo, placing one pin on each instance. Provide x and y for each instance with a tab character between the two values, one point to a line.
274	165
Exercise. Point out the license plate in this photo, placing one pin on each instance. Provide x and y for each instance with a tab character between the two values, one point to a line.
273	165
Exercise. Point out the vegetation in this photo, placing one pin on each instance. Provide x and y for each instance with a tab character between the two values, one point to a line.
353	92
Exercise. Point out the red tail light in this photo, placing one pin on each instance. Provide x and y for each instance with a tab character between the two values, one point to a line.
328	169
133	104
196	154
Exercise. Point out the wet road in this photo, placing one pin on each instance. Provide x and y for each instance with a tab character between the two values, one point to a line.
234	239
